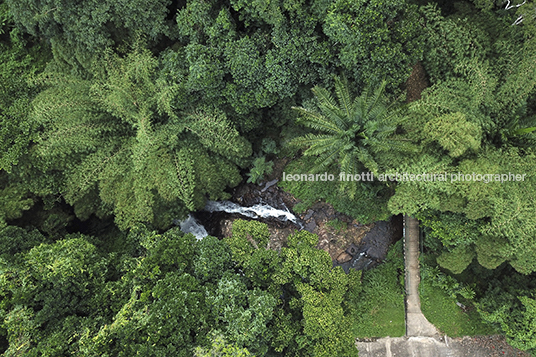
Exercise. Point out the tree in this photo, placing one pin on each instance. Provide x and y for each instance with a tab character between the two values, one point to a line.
51	292
123	136
19	61
508	303
354	132
16	240
249	248
458	259
314	293
244	316
375	38
213	259
159	306
309	293
251	56
476	118
21	58
78	32
484	69
221	348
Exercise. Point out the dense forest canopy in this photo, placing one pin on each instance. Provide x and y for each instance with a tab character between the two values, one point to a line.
121	116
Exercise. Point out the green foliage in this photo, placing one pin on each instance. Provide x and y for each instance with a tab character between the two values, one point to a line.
454	134
310	318
14	199
337	225
258	55
168	252
248	244
259	169
154	322
436	278
221	348
482	69
450	228
354	132
122	135
452	41
5	18
439	293
149	136
78	32
369	203
498	215
376	38
508	304
322	289
213	259
50	293
14	240
269	146
244	314
19	61
242	242
252	55
492	251
457	259
149	304
377	309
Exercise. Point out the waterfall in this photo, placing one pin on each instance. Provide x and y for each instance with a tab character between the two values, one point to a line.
256	211
190	225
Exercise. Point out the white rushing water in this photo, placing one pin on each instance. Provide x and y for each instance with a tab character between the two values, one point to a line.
190	225
256	211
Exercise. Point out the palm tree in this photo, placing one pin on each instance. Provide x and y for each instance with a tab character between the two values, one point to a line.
352	133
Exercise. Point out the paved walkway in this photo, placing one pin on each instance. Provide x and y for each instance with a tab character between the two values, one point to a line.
416	323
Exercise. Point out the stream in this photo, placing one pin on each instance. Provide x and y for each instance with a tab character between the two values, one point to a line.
357	247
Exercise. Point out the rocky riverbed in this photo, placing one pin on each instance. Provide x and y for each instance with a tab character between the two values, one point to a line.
350	244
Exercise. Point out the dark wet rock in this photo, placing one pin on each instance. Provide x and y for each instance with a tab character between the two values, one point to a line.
279	236
310	227
309	214
321	216
226	227
377	241
372	249
269	184
213	221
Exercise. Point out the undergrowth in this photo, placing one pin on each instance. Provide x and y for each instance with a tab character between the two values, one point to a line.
368	205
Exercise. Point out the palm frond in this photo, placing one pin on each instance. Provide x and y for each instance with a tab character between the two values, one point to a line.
343	94
360	109
216	133
308	140
352	131
317	121
375	103
324	97
349	165
367	160
326	159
